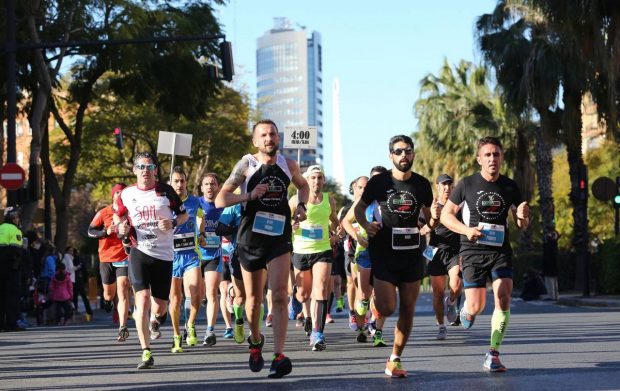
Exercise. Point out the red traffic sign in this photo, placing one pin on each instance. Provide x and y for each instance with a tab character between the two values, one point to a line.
12	176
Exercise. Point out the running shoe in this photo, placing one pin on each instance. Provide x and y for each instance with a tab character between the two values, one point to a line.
280	366
361	336
268	320
329	319
191	339
449	310
395	369
353	322
177	340
492	363
123	334
457	322
362	307
256	354
340	304
239	331
294	307
230	299
372	327
147	360
443	333
377	339
317	341
467	320
154	329
228	334
299	322
308	326
210	339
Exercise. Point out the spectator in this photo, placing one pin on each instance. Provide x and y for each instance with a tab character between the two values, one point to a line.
11	259
67	259
79	289
61	295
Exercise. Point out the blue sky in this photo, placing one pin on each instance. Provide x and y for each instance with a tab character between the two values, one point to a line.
379	50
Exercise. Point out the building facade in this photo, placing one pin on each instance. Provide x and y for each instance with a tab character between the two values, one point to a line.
289	83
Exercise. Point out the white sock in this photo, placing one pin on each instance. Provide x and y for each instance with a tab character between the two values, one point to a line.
394	357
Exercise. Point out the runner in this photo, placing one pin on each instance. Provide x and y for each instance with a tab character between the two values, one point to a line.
394	240
185	266
210	251
312	254
146	210
264	238
442	254
113	264
485	199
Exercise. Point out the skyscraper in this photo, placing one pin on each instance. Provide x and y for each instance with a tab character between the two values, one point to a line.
289	82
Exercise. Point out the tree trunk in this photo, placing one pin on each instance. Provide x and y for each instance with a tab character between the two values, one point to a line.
524	176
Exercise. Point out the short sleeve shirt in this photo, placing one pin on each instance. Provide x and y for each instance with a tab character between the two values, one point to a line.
400	203
144	209
482	201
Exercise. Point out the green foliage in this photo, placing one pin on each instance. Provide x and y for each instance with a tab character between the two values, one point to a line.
607	267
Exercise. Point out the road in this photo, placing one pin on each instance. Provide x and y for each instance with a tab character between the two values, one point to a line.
548	346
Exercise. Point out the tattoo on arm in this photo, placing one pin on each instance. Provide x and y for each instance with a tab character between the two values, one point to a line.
237	176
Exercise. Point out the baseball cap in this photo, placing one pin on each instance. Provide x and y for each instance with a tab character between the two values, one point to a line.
444	178
11	211
117	187
311	169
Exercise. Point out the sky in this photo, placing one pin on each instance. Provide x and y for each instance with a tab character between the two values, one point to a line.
378	50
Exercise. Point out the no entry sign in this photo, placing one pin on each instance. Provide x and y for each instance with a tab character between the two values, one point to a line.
12	176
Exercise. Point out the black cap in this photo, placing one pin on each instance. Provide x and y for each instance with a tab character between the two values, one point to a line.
444	178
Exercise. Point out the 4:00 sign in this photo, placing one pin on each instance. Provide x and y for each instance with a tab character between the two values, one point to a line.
301	135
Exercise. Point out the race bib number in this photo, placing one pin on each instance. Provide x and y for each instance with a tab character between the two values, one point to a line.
268	224
184	241
405	238
312	232
493	234
211	240
429	252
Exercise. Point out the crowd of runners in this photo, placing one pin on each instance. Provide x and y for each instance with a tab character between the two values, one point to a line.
244	245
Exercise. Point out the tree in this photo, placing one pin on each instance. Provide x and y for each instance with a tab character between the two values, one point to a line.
140	71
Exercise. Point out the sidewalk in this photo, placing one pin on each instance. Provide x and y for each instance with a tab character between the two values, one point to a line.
578	300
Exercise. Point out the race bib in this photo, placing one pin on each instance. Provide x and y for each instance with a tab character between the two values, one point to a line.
184	241
268	224
493	234
312	232
124	263
211	240
405	238
429	252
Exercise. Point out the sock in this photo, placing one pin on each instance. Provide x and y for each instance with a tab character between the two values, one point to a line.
187	307
152	317
331	302
321	313
162	318
499	323
394	357
210	328
238	311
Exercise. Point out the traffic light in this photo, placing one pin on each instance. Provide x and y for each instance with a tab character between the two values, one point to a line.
583	183
118	137
228	69
617	196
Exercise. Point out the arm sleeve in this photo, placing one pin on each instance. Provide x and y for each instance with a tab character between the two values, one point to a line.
97	229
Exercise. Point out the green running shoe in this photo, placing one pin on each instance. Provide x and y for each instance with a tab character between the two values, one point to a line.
239	331
192	338
147	360
377	339
362	307
176	344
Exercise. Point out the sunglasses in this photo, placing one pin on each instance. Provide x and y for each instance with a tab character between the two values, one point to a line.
399	151
149	167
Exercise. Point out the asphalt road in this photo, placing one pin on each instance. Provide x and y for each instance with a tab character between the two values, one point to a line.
548	346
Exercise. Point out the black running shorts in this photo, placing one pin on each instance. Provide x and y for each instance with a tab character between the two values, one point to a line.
151	273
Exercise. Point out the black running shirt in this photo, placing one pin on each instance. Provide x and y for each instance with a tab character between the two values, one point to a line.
400	203
487	202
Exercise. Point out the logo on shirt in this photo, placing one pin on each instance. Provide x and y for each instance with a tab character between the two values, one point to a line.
276	191
490	206
402	203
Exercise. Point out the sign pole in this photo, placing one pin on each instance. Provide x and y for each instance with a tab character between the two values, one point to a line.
299	157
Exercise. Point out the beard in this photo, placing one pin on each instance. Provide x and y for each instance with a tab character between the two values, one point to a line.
403	167
270	152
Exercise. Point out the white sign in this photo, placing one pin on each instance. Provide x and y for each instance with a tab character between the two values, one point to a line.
300	137
175	143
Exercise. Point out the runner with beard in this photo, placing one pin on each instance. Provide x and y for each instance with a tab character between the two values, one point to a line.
394	240
264	237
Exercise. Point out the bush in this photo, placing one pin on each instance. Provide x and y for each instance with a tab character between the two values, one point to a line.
607	267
